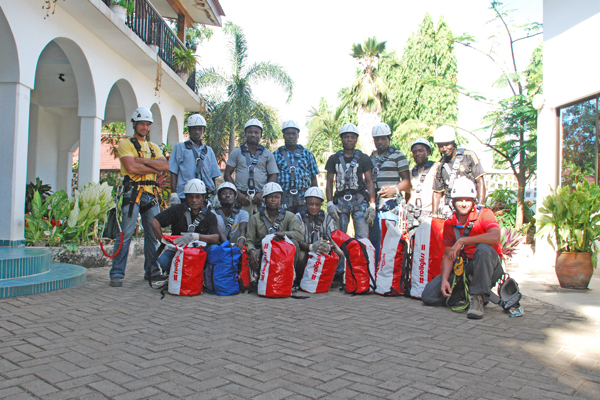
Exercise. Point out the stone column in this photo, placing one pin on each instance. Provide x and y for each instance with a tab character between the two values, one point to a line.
14	132
89	150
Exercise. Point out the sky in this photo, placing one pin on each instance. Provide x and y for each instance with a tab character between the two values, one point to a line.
312	41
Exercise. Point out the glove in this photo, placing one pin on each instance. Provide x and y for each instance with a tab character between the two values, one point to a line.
333	211
320	246
174	199
186	239
370	214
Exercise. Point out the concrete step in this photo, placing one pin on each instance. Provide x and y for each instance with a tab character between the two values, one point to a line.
18	262
56	277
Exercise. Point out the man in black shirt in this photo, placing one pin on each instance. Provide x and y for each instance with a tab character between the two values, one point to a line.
192	220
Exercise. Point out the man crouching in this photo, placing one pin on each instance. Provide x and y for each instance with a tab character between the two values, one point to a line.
473	234
273	219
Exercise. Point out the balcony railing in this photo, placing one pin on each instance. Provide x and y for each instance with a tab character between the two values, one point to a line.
149	25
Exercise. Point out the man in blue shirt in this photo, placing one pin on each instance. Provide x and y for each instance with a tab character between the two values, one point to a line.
297	169
193	160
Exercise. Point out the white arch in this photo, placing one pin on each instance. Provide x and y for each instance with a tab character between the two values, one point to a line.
156	135
120	104
173	132
9	62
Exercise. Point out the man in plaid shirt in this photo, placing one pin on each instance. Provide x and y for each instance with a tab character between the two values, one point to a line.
297	169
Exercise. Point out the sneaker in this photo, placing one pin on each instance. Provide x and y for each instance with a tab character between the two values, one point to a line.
476	307
116	282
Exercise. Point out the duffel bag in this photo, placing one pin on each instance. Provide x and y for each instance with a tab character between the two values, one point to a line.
187	268
428	253
319	272
277	273
360	262
391	277
221	270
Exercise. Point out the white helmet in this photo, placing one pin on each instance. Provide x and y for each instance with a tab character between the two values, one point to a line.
444	134
194	186
463	187
254	122
196	120
289	124
314	192
227	185
422	141
270	188
349	128
142	114
381	129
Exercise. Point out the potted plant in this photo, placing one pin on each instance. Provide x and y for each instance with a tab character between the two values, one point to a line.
184	62
122	8
571	216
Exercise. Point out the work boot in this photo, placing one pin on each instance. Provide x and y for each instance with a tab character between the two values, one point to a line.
116	282
476	307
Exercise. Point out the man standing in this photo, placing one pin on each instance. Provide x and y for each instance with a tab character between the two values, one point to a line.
141	161
454	163
422	176
316	230
390	178
193	160
473	234
354	191
297	168
192	220
273	219
254	166
232	221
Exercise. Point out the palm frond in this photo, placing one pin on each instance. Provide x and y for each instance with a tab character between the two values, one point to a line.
273	72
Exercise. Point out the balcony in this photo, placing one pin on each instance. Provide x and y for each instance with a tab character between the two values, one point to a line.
147	23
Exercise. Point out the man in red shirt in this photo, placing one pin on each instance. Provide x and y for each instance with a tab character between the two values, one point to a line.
479	246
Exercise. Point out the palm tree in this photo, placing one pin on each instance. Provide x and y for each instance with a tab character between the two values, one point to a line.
229	116
323	130
369	91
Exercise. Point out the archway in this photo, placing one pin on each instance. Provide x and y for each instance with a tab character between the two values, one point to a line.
173	132
120	104
156	135
62	112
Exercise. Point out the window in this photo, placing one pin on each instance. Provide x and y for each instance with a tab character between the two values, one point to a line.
580	141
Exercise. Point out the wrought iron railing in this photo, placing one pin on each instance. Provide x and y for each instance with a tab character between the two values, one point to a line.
149	25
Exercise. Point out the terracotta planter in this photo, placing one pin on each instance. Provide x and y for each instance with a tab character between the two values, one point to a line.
574	270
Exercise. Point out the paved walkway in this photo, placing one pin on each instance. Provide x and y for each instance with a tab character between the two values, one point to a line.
94	342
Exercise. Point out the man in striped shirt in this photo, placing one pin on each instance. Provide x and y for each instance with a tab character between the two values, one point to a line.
391	176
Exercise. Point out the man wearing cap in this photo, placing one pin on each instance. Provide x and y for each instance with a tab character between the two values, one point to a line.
297	168
193	160
354	190
191	219
453	164
390	178
473	234
254	166
232	221
141	161
316	230
421	176
273	219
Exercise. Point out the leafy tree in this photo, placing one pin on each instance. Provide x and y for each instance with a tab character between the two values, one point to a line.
324	130
369	92
579	140
408	132
227	118
422	83
112	135
513	121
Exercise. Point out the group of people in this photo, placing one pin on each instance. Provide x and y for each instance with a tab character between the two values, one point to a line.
277	193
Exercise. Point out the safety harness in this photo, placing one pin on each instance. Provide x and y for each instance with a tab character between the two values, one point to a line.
292	199
314	227
252	161
272	228
228	221
452	173
192	225
419	188
135	186
346	191
378	162
199	157
459	301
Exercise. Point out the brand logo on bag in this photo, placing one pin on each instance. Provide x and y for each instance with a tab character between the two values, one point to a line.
176	268
422	264
262	271
318	263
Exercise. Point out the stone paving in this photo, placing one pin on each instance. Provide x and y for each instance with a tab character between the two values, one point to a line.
94	342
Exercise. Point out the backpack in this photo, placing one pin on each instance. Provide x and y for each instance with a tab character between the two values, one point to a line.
277	272
360	263
392	275
427	256
221	270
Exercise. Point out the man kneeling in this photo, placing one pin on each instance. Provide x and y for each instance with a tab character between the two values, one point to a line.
474	234
273	219
191	219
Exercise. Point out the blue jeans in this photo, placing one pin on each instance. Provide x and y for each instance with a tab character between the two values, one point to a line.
128	228
166	258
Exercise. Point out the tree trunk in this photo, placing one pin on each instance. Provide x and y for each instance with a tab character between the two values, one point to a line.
231	141
366	122
520	217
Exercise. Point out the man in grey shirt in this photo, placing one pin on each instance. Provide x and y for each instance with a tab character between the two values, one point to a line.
254	166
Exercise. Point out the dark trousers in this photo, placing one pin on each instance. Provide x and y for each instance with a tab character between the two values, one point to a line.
483	271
